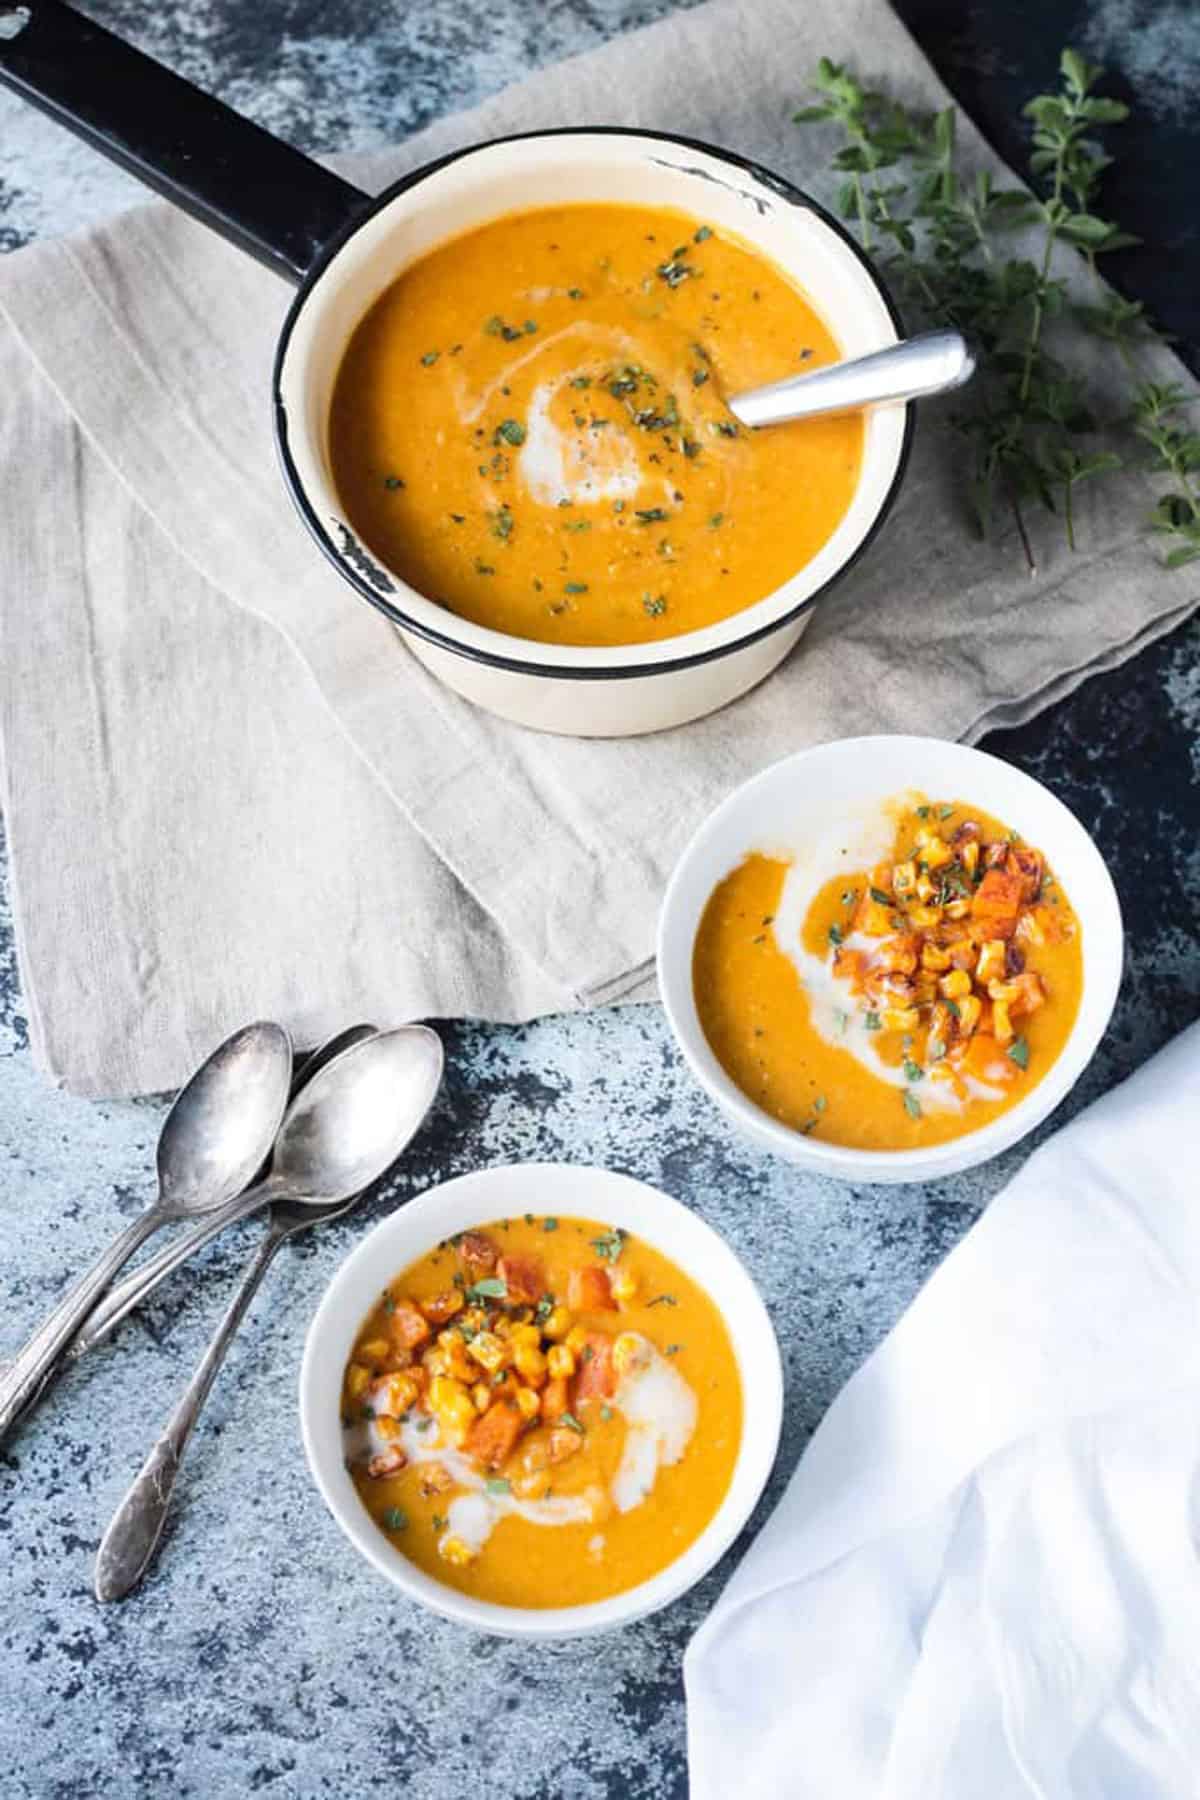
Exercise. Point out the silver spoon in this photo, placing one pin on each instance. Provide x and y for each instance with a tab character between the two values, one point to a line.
932	363
340	1135
125	1295
215	1137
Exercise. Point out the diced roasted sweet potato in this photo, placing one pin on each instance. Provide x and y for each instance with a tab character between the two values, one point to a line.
386	1462
871	917
556	1398
597	1377
439	1309
435	1479
1029	866
477	1252
589	1290
409	1327
523	1277
491	1438
997	904
561	1444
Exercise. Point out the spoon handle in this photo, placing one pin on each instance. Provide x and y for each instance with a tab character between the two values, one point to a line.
129	1543
124	1295
931	363
26	1375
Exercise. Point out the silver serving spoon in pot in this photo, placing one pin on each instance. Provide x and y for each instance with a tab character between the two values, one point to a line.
932	363
341	1133
125	1295
215	1137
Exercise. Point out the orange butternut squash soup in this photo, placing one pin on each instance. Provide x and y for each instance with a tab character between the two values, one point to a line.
529	427
542	1413
896	1004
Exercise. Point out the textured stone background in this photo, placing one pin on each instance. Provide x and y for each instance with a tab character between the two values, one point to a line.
263	1654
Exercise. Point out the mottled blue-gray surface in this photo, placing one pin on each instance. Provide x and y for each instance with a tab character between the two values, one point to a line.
263	1654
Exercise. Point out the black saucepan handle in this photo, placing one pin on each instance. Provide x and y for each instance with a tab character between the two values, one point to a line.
255	190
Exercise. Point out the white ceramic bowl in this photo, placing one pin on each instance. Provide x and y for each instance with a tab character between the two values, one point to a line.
794	802
604	692
571	1191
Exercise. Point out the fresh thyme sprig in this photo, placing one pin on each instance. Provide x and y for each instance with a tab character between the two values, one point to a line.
1031	430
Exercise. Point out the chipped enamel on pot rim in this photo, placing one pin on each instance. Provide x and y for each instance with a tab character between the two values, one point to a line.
568	1190
586	166
795	802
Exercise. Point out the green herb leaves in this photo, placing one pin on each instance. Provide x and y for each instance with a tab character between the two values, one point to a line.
509	431
1018	1052
492	1287
1026	418
394	1519
608	1248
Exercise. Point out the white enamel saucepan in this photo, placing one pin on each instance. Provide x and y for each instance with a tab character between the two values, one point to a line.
344	248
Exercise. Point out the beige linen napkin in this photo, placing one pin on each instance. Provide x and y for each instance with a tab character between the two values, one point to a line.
231	791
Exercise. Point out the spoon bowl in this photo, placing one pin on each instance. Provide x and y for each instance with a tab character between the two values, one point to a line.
350	1121
935	362
212	1140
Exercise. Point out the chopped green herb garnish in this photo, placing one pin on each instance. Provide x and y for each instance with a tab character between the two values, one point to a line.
655	604
575	587
820	1103
923	812
530	327
606	1413
608	1248
492	1287
392	482
542	1311
912	1105
836	934
726	427
945	812
953	1008
502	523
430	357
663	1300
674	1349
618	506
872	1021
702	235
571	1423
878	895
496	1484
1018	1051
699	377
716	520
581	381
439	1522
912	1070
394	1519
577	525
574	293
482	568
549	1224
935	1049
459	518
509	431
